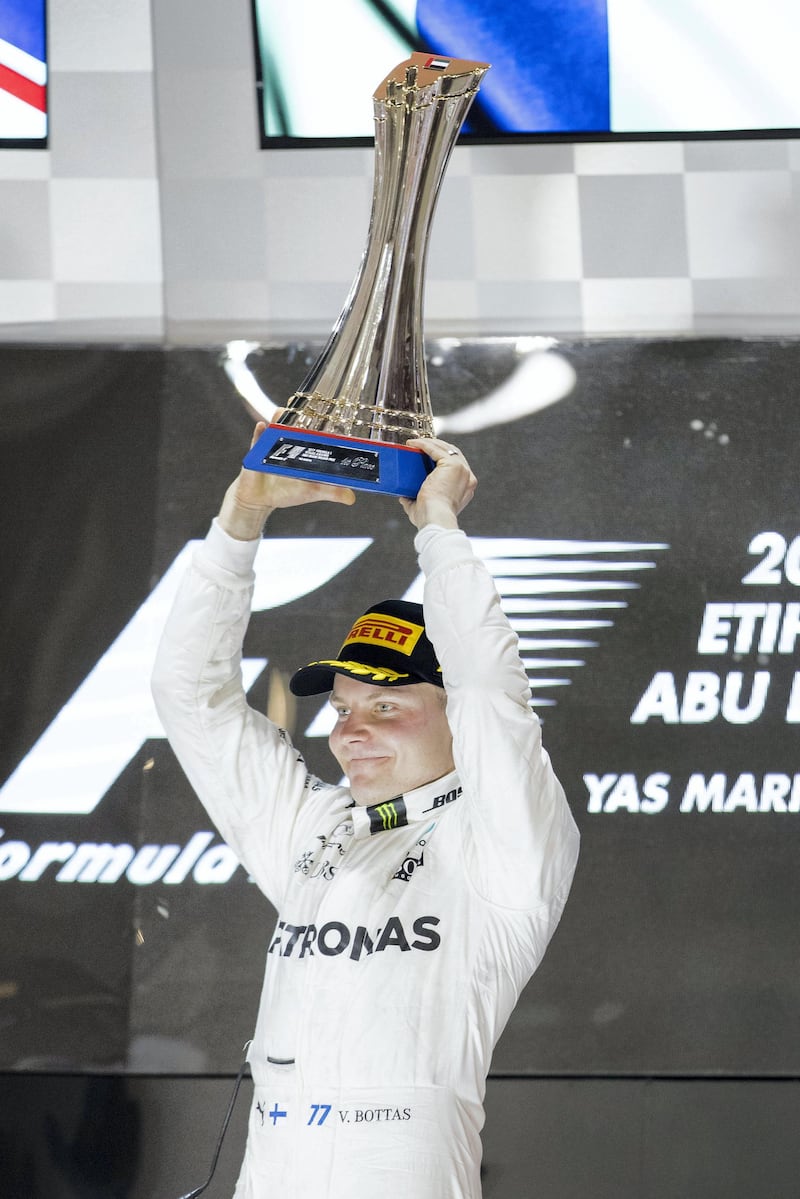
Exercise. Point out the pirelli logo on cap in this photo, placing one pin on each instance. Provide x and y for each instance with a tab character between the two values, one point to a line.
388	631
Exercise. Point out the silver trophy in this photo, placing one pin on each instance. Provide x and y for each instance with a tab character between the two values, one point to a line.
367	393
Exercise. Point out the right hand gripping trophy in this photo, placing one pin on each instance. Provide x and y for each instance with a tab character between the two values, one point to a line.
367	393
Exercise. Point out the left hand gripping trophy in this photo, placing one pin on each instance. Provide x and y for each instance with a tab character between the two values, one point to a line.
367	393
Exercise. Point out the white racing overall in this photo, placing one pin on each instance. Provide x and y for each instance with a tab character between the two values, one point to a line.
407	930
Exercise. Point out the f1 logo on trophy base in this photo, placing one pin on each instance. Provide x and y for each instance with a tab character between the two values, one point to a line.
367	393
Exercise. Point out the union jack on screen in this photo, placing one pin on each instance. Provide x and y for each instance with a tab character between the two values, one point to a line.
23	72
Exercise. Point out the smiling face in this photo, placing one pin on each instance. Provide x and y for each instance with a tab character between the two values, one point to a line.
389	740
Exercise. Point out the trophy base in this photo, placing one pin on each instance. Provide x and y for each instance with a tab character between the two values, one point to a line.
342	461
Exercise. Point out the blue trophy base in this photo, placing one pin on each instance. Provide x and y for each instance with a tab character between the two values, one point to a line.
343	461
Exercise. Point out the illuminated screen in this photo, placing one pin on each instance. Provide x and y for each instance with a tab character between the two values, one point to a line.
559	68
637	506
23	74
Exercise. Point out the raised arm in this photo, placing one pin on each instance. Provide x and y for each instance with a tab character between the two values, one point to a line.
239	763
523	843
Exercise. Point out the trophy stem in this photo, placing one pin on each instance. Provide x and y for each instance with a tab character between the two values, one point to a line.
370	381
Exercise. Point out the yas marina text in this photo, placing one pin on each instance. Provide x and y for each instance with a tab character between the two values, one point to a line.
718	793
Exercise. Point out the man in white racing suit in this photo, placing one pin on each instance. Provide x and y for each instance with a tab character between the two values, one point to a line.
415	903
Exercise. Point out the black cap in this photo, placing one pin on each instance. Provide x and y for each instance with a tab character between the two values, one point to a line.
387	647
